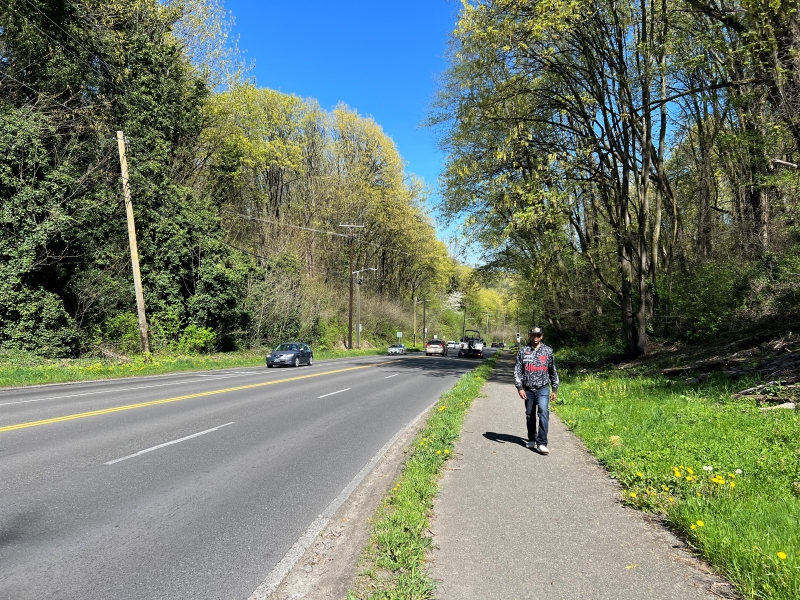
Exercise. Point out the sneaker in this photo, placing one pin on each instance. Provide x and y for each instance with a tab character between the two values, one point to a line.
543	449
531	445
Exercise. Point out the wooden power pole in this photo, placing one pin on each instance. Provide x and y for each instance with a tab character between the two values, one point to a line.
137	276
350	320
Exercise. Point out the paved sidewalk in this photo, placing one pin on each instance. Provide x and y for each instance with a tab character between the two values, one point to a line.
512	524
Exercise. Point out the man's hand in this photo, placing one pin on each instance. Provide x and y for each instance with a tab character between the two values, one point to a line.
552	396
522	394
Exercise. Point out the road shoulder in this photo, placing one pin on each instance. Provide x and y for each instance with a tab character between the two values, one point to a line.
328	567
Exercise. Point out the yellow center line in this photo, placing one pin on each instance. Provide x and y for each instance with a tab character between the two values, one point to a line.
106	411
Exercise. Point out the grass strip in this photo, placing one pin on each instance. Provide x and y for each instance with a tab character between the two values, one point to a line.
22	370
393	563
721	472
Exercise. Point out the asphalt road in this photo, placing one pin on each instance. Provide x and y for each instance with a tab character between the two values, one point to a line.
193	485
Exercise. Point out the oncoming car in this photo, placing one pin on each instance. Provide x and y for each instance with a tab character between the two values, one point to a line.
294	354
435	347
397	349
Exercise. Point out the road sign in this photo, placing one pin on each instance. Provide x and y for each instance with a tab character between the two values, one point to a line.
518	338
399	334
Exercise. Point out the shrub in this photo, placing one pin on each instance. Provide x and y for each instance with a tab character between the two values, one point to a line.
122	331
197	340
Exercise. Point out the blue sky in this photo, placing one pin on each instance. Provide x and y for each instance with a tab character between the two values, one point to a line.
380	58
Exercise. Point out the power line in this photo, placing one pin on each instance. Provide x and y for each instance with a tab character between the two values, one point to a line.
282	224
261	219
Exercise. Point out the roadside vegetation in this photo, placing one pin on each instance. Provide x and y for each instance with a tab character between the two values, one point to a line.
18	369
393	563
722	471
239	195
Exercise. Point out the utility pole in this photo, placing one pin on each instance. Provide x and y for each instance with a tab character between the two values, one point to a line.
464	324
350	325
358	305
424	321
415	318
504	328
487	323
137	276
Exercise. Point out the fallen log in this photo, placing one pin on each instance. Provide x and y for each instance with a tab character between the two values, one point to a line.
781	383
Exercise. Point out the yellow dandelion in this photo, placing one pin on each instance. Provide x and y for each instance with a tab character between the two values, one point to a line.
694	526
639	474
700	523
671	499
690	470
733	484
782	555
633	494
447	451
438	452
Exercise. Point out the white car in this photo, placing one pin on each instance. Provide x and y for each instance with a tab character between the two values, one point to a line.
451	345
397	349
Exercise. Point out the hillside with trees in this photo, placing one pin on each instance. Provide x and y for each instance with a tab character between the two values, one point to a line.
633	165
239	195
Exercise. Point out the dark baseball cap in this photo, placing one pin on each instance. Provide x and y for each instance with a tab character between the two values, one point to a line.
536	331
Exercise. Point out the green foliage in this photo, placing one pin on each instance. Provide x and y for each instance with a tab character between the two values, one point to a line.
704	300
197	340
34	319
722	471
122	331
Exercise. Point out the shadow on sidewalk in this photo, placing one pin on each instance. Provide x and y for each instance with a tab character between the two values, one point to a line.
504	371
502	438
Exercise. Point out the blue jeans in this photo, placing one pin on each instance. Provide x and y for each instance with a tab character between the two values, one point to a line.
538	401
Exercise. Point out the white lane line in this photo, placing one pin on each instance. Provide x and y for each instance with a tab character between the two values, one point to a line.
390	376
295	553
183	439
130	389
332	393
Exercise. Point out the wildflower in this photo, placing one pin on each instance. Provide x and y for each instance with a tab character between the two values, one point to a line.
733	484
738	471
694	526
671	499
615	440
782	555
690	470
731	475
700	523
633	494
447	451
708	468
639	474
438	452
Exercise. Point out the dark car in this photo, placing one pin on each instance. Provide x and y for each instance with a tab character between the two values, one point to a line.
294	354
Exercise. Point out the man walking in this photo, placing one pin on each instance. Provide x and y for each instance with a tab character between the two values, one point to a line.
536	379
